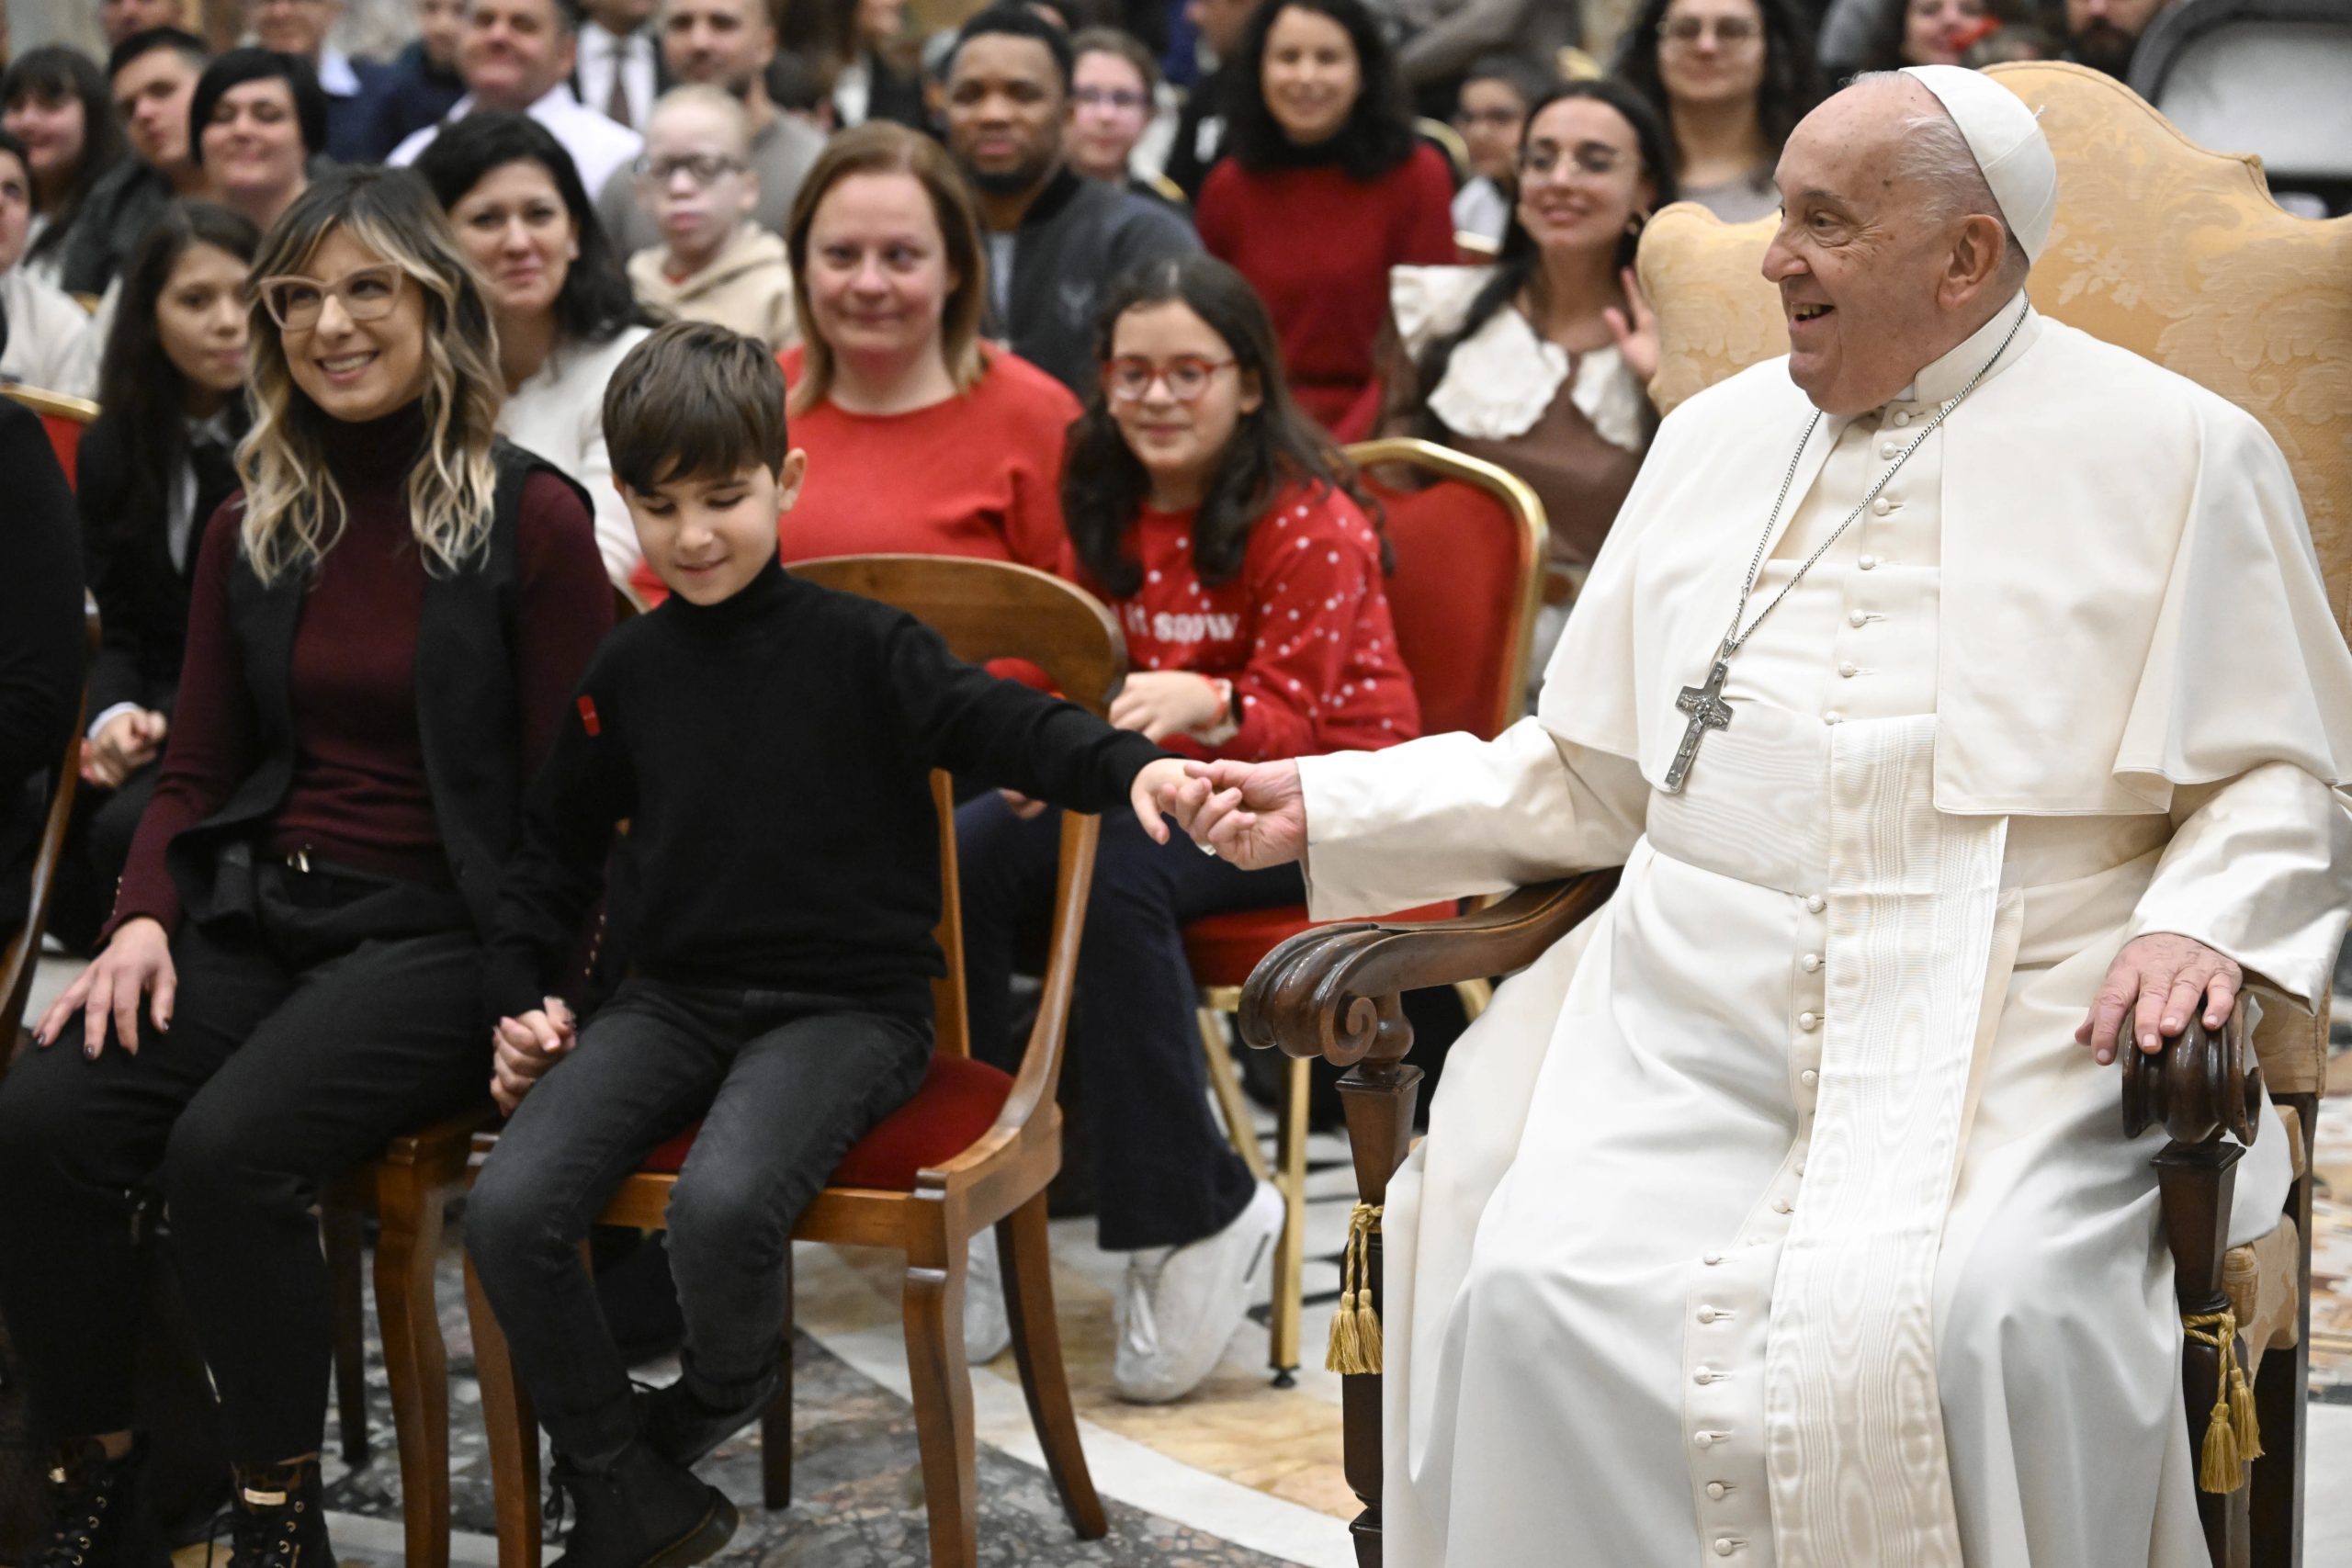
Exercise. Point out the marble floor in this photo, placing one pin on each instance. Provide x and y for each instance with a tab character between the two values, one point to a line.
1242	1475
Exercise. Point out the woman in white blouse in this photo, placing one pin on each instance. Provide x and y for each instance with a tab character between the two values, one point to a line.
1540	363
566	316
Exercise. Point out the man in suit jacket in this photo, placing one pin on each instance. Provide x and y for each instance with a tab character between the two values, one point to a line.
355	88
619	72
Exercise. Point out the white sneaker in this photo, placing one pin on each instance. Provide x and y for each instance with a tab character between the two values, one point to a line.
1183	1304
988	1330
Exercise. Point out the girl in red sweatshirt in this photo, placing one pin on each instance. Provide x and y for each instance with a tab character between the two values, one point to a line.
1224	532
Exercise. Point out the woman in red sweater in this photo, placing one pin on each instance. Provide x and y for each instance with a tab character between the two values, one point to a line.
1225	532
384	629
921	439
1324	188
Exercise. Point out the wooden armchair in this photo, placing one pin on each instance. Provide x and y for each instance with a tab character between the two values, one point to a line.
20	947
2178	253
65	418
975	1148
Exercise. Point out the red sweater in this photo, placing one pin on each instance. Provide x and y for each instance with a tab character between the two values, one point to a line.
1318	245
978	475
1302	630
358	796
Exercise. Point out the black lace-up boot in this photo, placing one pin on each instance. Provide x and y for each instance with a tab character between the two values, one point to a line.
277	1520
96	1514
682	1429
640	1511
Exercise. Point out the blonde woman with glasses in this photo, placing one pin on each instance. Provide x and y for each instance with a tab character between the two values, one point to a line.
384	631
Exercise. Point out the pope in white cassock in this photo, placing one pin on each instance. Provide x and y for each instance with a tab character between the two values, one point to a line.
1782	1214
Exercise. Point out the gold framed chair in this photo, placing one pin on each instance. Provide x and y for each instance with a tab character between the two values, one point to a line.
2178	253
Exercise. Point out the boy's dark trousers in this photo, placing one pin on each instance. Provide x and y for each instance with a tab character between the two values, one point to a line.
340	1010
785	1084
1164	1173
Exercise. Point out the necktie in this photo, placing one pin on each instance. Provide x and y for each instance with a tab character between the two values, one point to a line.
216	480
616	103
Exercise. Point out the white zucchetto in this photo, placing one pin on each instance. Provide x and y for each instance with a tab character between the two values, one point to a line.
2008	144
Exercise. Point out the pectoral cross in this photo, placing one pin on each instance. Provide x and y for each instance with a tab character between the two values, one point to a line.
1708	710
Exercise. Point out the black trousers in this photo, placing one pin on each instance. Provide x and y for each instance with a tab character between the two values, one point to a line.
1164	1173
784	1082
343	1012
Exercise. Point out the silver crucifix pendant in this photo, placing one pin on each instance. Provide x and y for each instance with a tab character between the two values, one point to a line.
1708	710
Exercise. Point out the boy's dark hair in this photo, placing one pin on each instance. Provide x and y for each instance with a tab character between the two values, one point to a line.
1016	22
146	42
695	401
1522	75
1105	485
240	66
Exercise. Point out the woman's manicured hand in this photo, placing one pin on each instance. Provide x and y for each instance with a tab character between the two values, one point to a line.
136	961
1162	702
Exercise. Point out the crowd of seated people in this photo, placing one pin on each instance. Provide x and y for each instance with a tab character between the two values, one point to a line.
405	366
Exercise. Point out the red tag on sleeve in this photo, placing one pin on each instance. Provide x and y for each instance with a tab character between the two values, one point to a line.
588	716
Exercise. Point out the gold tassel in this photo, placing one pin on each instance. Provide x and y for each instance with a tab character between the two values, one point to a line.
2232	1435
1355	1347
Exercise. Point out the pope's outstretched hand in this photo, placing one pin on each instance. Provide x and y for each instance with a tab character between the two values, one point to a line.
1253	814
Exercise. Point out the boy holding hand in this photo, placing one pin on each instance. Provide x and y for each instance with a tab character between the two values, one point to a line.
770	743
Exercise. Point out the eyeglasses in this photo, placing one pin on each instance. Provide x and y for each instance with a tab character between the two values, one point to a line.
1126	99
1730	31
366	294
1541	158
702	168
1128	379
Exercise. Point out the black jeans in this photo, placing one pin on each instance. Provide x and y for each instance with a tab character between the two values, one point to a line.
343	1012
1164	1173
784	1083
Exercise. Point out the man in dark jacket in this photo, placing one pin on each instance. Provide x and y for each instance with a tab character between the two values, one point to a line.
1056	241
154	77
40	643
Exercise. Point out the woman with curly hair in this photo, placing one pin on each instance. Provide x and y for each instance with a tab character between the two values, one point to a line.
1731	78
382	637
1324	188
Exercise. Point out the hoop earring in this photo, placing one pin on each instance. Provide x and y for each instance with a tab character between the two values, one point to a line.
1635	224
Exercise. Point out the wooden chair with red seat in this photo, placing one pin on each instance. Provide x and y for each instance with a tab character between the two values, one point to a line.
1469	539
2178	253
975	1148
64	417
20	953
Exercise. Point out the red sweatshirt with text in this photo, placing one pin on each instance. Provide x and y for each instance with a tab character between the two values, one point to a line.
1302	630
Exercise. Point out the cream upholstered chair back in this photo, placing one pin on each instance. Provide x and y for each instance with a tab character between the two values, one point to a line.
2160	247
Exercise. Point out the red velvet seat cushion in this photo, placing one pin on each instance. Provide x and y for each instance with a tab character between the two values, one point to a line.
958	1101
1223	949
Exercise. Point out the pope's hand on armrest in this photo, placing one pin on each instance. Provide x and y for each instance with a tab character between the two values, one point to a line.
1253	814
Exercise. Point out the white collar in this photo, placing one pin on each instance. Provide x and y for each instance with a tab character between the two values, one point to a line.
1943	378
555	102
336	78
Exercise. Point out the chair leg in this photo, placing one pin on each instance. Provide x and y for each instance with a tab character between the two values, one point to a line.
775	1421
932	1304
513	1431
1231	1103
341	1223
1027	1262
1290	1252
408	1217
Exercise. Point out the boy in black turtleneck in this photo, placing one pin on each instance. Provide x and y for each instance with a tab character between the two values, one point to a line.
770	743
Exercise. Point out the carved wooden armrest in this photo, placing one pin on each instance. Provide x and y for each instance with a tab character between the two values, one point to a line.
1326	992
2200	1086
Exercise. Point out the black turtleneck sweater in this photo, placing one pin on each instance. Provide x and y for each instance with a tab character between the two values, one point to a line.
772	754
358	796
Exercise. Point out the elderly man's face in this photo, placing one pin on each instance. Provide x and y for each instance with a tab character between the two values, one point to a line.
514	52
1869	274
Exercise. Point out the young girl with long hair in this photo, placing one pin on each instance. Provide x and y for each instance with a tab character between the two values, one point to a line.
383	638
154	468
1228	535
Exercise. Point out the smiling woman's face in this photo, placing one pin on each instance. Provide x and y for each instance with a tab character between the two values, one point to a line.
514	227
1311	76
357	370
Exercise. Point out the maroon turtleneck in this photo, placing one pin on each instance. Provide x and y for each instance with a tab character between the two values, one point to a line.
359	796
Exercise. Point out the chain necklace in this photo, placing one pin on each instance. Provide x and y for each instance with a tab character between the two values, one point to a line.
1704	704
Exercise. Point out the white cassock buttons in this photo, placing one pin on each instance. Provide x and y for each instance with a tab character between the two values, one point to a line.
1808	1022
1704	1376
1808	1077
1708	1440
1881	506
1850	671
1901	418
1726	1546
1833	716
1715	1489
1868	563
1708	1314
1858	617
1816	904
1712	1260
1811	963
1888	449
1782	1206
